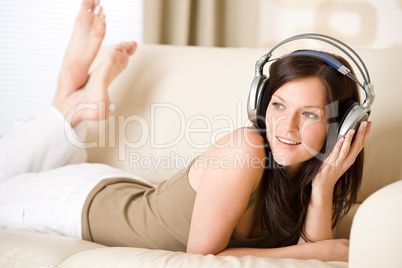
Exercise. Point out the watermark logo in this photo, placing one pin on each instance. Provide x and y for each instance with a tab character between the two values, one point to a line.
174	161
197	131
146	130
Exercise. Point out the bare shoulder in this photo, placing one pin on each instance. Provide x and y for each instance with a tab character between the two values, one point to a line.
224	178
238	154
242	140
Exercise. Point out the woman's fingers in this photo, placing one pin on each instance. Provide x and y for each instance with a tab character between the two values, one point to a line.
350	152
361	138
346	145
332	159
346	150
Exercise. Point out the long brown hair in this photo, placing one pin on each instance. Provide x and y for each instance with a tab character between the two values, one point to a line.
284	202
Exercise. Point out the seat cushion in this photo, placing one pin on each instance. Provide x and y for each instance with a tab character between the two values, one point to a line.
29	249
139	257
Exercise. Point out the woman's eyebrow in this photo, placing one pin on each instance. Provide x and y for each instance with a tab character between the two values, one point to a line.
278	97
314	106
306	106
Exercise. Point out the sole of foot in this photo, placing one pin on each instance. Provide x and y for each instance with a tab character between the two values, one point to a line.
89	31
92	101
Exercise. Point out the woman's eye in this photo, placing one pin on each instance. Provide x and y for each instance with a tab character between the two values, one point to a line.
311	115
278	105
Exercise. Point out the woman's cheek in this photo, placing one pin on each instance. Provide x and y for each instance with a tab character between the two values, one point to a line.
314	135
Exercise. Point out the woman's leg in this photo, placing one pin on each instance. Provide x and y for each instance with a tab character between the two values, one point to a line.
89	30
51	201
39	144
43	142
39	191
47	141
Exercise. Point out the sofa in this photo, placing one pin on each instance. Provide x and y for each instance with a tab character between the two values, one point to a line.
170	104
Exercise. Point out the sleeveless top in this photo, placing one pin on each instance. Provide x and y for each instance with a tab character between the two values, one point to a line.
126	212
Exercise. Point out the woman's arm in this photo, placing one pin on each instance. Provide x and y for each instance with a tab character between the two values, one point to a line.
318	223
326	250
228	178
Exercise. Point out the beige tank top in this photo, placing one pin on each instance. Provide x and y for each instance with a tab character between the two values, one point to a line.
126	212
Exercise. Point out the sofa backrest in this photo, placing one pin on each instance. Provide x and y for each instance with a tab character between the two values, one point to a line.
172	103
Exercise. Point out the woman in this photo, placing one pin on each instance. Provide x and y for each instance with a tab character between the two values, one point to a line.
283	202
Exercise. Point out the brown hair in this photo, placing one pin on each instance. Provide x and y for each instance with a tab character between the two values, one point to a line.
284	202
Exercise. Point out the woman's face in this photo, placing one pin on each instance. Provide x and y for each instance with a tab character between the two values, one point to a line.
296	121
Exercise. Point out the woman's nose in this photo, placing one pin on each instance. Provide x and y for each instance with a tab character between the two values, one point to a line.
291	122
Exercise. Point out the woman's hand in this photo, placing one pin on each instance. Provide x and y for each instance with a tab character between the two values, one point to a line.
318	223
342	157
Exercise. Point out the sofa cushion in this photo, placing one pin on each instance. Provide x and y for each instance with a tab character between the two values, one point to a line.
29	249
138	257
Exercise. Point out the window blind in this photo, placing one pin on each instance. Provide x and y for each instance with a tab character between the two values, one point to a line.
33	39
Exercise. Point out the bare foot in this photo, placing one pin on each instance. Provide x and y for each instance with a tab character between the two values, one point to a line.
92	101
89	31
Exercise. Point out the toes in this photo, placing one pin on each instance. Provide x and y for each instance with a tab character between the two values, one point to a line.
120	47
94	5
100	9
126	47
130	47
100	15
133	47
102	18
89	5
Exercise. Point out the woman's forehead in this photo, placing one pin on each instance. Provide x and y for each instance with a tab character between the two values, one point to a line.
306	92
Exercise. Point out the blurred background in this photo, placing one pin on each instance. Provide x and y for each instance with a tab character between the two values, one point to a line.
35	34
263	23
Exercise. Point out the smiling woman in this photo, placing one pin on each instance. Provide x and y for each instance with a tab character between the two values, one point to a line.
300	93
230	200
296	121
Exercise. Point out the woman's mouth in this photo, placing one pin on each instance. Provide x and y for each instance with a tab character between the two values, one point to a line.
287	143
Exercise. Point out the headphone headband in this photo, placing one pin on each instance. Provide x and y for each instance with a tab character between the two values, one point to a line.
329	40
336	64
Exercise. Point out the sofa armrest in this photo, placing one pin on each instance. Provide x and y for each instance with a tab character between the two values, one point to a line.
376	235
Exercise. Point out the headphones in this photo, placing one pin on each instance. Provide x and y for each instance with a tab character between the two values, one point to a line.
351	114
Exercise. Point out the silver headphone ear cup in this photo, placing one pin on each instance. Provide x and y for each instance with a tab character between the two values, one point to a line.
262	104
253	97
352	120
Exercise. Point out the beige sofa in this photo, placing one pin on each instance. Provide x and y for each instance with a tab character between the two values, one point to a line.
170	104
